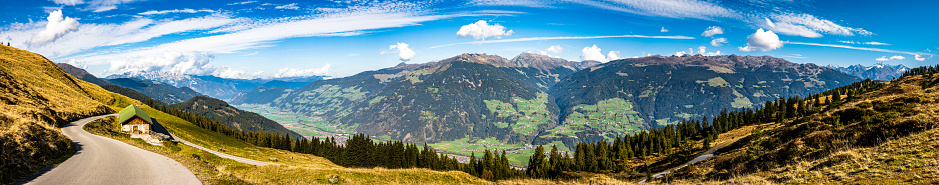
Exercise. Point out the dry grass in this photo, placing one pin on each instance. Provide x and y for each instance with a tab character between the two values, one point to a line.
584	178
35	98
900	150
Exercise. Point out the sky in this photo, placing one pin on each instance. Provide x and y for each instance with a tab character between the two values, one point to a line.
267	39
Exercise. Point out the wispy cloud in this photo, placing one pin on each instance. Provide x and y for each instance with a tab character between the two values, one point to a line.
859	48
806	25
291	6
777	16
565	38
241	3
187	10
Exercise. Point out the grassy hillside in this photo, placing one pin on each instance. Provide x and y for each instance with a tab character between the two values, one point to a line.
883	137
36	97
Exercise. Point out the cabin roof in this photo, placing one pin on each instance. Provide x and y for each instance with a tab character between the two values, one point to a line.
132	110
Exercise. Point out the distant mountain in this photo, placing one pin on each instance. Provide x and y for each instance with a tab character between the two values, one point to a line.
538	99
233	117
436	101
879	71
260	95
156	90
152	89
217	87
81	74
634	94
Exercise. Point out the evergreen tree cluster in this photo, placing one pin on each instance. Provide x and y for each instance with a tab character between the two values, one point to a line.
922	70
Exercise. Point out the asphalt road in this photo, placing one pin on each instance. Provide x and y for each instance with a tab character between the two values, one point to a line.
102	160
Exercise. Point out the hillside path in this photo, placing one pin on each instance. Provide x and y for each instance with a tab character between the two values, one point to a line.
222	155
102	160
707	154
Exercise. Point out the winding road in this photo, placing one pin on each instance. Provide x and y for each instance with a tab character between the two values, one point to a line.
101	160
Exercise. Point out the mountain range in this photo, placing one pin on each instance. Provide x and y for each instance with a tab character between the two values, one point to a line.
184	98
540	99
216	87
152	89
878	71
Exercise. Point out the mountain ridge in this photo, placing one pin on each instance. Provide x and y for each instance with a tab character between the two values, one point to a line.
878	71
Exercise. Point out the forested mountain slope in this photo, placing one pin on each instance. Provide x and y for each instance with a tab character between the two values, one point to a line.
471	95
628	95
220	111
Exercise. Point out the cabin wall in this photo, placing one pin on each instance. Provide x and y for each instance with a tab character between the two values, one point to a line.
142	126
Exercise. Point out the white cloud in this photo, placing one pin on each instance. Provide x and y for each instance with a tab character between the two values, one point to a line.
105	5
806	25
243	2
663	30
405	53
918	58
187	10
170	61
613	55
680	53
897	57
89	36
867	43
859	48
794	56
713	30
565	38
702	50
290	72
482	30
69	2
666	8
262	34
291	6
195	63
555	49
592	53
883	58
762	41
718	41
55	28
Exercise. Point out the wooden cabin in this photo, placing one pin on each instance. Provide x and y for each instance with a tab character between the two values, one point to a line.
134	120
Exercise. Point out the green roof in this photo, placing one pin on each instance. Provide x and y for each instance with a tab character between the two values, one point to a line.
132	110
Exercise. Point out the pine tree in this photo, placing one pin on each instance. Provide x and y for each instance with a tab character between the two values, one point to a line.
472	165
555	161
536	163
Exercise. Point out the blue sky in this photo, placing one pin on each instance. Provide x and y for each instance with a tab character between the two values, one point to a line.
252	39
